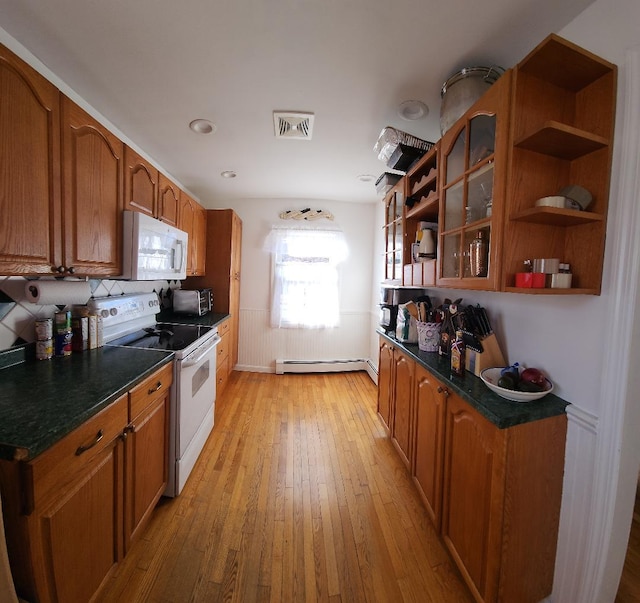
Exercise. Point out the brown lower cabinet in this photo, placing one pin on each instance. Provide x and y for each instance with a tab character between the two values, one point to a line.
71	512
494	494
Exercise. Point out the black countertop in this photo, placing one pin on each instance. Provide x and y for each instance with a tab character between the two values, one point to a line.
42	401
502	413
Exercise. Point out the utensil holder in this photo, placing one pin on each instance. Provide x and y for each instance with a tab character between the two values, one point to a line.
428	336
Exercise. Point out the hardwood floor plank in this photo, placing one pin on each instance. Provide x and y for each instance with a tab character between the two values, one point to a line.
298	496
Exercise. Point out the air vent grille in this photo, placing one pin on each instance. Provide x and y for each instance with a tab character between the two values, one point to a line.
293	125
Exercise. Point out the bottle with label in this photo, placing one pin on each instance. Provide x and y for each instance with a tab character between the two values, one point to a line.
479	255
458	355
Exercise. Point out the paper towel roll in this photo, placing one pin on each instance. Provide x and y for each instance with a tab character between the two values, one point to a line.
47	293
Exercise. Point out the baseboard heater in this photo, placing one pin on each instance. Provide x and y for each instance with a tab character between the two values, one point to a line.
319	366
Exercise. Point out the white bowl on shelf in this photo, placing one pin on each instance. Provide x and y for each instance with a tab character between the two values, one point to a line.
491	376
554	201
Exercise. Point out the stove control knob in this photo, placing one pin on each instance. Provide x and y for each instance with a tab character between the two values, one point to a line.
113	311
104	313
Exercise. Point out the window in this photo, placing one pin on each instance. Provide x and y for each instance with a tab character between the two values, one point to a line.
305	277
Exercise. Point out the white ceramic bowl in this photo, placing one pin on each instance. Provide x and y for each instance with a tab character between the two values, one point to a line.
491	377
555	201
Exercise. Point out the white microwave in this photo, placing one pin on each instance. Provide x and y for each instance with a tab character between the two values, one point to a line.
152	250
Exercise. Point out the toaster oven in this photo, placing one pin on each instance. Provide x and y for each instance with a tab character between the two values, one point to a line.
195	302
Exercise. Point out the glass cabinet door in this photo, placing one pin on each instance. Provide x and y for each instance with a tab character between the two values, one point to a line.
473	159
394	236
468	200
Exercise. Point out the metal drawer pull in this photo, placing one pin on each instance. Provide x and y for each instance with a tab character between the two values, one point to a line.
157	387
82	449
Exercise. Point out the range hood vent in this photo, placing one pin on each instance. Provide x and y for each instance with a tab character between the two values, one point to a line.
293	125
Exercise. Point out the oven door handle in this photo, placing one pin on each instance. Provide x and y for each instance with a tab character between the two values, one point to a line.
190	361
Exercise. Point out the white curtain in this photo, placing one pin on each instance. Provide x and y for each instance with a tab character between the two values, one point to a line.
305	291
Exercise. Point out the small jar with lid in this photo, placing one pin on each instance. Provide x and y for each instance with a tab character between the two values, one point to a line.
563	278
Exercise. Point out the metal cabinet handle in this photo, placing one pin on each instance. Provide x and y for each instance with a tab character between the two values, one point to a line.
71	270
82	449
440	389
156	388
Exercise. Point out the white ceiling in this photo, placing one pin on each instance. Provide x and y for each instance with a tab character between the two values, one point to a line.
152	66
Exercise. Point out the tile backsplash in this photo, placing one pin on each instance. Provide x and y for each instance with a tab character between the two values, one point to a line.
18	314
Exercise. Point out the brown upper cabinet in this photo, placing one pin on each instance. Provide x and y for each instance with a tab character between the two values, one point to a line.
55	156
30	229
544	125
193	222
474	158
92	192
141	187
168	201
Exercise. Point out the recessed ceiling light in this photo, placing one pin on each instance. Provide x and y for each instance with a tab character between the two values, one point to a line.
411	110
366	178
202	126
228	174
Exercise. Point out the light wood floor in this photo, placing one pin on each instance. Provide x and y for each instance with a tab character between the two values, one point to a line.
629	588
298	496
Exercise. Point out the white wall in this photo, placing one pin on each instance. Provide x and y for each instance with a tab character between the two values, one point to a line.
260	345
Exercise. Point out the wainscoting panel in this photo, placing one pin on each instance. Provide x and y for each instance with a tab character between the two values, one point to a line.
580	455
260	346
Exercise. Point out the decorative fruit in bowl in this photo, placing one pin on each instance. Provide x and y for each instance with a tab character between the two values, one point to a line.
519	385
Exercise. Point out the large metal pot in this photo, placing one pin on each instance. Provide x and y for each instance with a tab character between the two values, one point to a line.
463	89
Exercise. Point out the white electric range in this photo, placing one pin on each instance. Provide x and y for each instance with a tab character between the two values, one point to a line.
130	321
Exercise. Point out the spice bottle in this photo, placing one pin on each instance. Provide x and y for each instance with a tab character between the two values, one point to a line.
479	255
458	355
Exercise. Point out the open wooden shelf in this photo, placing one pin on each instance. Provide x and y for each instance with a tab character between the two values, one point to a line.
562	141
550	291
428	205
555	216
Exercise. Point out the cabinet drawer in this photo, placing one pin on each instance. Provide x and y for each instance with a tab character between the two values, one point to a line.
149	390
223	328
59	465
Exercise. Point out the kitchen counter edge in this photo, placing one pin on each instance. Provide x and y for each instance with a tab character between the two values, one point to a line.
43	401
502	413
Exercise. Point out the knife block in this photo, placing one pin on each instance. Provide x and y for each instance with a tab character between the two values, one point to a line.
492	356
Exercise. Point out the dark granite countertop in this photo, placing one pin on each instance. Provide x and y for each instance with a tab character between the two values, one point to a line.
213	319
502	413
42	401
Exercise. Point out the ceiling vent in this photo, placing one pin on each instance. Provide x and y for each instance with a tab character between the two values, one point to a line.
293	125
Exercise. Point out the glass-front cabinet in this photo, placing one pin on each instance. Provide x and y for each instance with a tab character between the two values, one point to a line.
394	234
471	217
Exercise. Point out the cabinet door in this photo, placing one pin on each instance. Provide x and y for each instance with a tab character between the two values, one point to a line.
168	201
474	466
81	531
474	157
430	397
30	160
385	382
147	469
234	287
394	234
140	184
402	424
200	235
92	191
187	223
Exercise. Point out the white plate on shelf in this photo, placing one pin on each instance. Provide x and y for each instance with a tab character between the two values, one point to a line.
491	376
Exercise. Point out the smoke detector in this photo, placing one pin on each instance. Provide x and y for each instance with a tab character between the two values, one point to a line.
293	125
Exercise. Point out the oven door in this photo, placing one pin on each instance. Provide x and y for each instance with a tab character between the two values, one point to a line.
194	405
